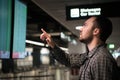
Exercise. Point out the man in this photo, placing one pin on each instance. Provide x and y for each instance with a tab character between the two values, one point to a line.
97	63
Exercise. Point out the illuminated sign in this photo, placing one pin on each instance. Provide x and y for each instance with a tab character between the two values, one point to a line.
85	11
76	12
90	11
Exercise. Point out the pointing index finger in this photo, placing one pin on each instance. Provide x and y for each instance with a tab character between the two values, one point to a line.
43	30
45	33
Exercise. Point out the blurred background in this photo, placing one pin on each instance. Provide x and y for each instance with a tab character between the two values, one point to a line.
24	56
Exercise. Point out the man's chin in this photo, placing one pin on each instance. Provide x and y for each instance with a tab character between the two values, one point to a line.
81	40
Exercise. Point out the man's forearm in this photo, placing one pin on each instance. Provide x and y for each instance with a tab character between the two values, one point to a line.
60	56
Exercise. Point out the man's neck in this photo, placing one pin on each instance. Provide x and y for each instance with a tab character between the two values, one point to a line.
93	44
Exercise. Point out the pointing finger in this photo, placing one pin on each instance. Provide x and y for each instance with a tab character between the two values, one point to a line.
45	33
43	30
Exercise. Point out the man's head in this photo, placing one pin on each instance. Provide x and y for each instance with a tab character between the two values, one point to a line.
96	27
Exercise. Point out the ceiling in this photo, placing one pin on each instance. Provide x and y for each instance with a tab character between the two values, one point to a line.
51	15
37	19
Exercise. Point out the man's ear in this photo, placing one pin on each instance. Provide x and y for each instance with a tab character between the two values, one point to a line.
96	31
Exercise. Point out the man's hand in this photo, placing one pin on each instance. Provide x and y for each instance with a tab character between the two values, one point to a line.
47	37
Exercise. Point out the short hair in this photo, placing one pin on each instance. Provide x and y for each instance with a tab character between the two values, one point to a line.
105	26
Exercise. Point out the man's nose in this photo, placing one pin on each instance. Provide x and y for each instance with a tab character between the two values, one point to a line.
81	28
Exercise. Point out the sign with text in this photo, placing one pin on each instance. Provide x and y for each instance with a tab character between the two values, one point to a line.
84	11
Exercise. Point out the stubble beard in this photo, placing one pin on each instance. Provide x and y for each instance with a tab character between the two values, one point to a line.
86	41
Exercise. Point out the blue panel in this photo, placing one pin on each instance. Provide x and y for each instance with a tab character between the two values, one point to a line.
5	28
19	29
